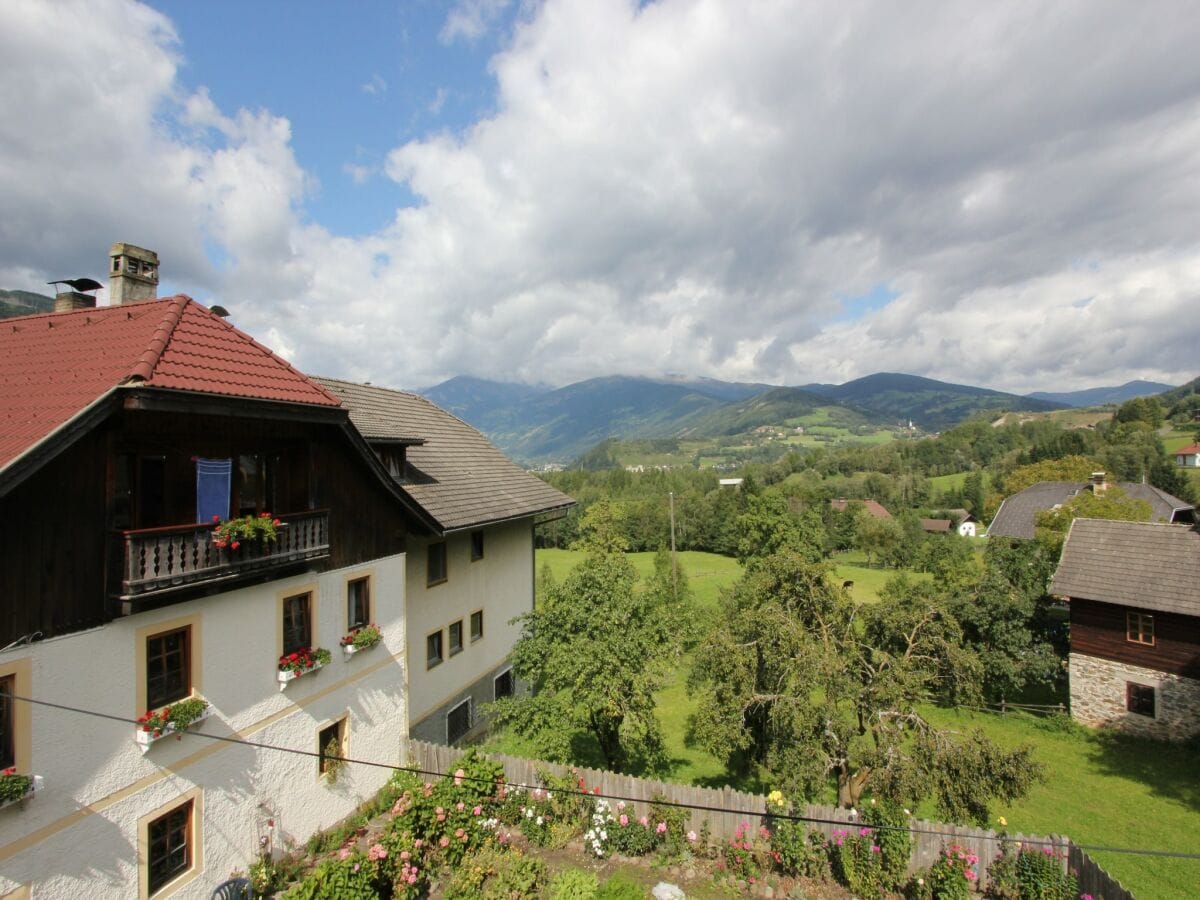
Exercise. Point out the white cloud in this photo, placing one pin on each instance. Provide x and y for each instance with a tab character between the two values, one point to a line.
676	187
375	87
469	20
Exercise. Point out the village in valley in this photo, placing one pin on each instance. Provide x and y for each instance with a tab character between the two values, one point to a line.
599	450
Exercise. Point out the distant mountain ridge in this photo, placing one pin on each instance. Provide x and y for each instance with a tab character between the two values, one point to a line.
24	303
535	424
932	404
1101	396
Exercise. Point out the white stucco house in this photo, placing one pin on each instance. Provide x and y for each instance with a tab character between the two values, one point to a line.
468	580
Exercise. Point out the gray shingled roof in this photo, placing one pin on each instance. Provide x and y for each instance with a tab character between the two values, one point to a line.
1015	517
1142	564
456	474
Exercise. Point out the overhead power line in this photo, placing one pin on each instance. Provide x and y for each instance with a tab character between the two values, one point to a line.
813	820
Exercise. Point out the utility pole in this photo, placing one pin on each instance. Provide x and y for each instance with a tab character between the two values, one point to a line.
674	566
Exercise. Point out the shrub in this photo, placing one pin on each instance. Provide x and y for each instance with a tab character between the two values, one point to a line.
574	884
794	849
495	874
351	878
621	887
857	861
891	823
632	836
1040	875
672	840
747	853
952	877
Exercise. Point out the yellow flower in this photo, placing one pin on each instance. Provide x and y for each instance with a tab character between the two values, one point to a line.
1003	822
775	797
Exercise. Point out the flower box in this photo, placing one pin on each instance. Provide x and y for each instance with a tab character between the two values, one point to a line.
289	675
363	638
36	783
146	739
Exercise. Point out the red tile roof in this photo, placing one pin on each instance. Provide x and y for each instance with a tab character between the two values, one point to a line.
54	366
1189	450
873	507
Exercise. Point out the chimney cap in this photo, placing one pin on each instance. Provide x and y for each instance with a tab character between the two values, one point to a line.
79	284
120	248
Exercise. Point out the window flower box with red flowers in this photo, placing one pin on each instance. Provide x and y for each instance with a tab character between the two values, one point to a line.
14	788
230	534
301	662
154	725
363	638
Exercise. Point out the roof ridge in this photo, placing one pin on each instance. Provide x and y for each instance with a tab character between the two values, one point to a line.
143	369
415	396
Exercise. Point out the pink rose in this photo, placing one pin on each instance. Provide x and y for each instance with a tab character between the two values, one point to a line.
477	811
624	820
459	775
661	827
444	842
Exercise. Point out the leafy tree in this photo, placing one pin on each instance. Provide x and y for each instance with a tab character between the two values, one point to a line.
973	492
1113	503
1067	468
596	650
768	525
798	680
878	537
1140	409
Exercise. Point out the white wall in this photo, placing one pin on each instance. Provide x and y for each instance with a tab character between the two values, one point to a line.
501	584
78	836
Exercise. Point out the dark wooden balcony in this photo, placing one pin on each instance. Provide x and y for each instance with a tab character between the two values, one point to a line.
161	561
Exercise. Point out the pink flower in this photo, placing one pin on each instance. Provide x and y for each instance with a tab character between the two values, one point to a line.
645	822
418	844
458	832
405	855
357	866
477	811
875	848
377	851
444	842
661	827
970	873
344	853
459	775
863	832
691	836
461	806
624	820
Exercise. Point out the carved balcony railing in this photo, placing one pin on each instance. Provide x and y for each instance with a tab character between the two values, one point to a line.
160	560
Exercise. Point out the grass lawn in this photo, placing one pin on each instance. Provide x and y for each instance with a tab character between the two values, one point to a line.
1107	791
852	566
1100	789
942	483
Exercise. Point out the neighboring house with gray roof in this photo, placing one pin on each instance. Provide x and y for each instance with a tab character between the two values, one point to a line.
466	582
1134	596
1017	515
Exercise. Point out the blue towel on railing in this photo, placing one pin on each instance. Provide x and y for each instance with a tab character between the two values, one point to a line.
212	488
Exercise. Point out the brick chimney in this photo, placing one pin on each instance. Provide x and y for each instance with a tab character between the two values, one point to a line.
69	301
1099	483
133	275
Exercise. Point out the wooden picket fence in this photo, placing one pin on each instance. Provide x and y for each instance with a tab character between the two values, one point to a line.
725	809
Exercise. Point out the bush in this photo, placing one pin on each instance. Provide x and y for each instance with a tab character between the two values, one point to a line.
621	887
495	874
573	884
747	854
672	840
952	877
857	861
1040	875
891	824
352	878
794	849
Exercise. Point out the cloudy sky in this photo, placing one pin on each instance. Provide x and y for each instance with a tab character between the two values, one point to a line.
1004	194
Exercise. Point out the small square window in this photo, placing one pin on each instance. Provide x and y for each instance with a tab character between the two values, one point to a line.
476	625
1139	628
456	641
433	649
170	846
168	667
1139	698
476	545
435	569
458	721
297	623
358	603
504	685
331	743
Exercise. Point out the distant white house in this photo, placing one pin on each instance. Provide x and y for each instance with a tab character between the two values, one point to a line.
1188	457
730	482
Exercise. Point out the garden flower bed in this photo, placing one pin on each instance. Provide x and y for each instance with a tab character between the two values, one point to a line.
468	835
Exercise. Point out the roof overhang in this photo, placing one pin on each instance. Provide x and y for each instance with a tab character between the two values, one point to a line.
538	517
